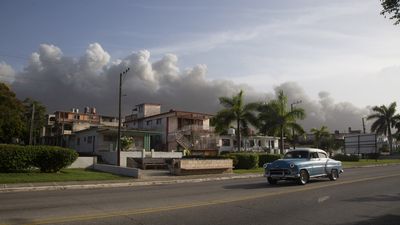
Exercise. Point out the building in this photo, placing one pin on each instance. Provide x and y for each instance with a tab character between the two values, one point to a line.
180	129
227	143
102	141
62	124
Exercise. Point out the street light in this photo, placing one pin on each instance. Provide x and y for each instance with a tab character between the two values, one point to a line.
291	109
119	118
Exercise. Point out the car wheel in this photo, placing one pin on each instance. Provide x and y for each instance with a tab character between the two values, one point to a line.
334	175
272	181
304	177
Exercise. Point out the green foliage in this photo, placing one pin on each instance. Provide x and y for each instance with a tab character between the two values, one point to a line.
346	158
236	113
320	135
12	123
52	158
15	158
46	158
267	158
275	118
244	160
391	7
384	119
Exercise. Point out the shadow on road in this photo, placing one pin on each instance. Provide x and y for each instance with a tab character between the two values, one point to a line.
377	198
282	183
380	220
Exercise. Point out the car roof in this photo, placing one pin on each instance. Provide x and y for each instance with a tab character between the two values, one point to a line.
307	149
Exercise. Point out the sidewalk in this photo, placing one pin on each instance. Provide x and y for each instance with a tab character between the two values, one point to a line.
157	179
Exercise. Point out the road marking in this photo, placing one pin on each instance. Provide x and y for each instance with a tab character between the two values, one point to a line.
322	199
197	204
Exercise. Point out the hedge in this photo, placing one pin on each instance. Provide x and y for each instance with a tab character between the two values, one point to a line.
46	158
267	158
244	160
346	158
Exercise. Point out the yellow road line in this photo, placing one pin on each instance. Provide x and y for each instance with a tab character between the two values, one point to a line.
197	204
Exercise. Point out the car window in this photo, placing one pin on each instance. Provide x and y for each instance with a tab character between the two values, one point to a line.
296	155
314	155
322	155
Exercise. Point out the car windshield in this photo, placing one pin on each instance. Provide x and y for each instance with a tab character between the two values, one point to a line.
296	155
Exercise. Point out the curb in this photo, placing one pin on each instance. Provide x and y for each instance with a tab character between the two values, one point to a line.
126	184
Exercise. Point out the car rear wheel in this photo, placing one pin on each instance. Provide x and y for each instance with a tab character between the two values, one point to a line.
334	175
304	177
272	181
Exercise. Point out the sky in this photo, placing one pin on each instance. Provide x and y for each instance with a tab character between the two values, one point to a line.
339	57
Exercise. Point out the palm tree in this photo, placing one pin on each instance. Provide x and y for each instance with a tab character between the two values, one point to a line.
319	134
385	118
237	112
276	119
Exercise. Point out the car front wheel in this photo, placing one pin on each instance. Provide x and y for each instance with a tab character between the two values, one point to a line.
304	177
334	175
271	180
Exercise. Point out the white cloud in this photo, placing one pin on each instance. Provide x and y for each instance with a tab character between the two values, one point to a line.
7	73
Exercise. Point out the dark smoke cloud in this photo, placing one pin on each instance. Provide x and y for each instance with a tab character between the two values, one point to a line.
63	82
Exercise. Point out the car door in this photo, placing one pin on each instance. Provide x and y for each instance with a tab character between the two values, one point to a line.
314	161
323	159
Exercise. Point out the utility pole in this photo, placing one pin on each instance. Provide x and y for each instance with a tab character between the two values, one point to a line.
32	123
291	109
119	119
363	123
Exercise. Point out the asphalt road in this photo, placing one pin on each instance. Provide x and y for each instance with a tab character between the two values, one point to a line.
359	196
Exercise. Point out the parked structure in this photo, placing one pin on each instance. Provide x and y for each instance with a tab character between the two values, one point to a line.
62	124
180	130
364	143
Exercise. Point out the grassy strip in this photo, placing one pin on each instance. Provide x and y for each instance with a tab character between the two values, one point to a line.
346	165
63	175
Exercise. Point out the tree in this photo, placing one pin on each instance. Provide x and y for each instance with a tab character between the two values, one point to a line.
237	112
39	118
12	124
392	8
385	118
319	135
276	119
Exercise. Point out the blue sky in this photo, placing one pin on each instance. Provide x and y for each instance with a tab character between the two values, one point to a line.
344	47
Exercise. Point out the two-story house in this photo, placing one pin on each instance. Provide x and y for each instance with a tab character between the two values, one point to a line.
180	129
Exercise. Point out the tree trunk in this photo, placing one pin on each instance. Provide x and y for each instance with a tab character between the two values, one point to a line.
238	134
282	142
390	139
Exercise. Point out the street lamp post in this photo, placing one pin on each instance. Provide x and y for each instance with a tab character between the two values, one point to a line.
119	118
291	109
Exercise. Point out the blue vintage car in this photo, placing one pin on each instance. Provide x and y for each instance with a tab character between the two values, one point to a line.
301	164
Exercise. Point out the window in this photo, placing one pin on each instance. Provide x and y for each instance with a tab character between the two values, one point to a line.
78	141
226	142
158	121
84	139
149	122
314	155
89	139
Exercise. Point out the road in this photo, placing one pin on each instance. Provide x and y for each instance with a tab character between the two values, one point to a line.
359	196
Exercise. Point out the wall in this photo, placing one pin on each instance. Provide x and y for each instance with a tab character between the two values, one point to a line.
193	166
84	162
124	171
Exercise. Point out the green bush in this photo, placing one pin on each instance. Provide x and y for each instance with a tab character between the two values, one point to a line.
346	158
244	160
15	158
52	158
46	158
267	158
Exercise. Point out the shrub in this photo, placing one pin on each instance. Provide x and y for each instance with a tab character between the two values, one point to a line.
53	158
46	158
267	158
15	158
372	156
346	158
245	160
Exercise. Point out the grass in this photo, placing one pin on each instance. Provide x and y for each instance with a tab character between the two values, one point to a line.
346	165
63	175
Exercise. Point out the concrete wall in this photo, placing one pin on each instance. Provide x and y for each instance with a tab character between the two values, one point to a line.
192	164
84	162
124	171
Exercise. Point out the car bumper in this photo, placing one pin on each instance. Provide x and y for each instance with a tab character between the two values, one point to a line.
282	176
